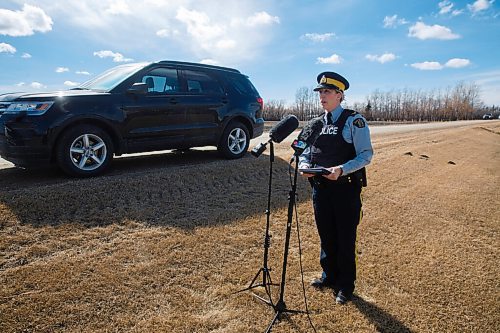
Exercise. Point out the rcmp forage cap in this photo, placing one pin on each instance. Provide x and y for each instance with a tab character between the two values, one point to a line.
331	80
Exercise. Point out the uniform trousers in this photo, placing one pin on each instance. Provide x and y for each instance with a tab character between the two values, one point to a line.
337	210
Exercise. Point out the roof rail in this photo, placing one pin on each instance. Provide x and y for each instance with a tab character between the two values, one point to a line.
198	65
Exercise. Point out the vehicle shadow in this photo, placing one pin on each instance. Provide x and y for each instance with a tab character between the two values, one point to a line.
383	321
15	178
187	190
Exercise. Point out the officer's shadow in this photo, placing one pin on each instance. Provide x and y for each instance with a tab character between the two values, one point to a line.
383	321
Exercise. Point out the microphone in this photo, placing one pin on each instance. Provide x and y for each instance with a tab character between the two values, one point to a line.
284	128
308	135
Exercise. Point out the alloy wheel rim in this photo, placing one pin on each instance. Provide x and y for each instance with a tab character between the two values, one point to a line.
88	152
237	141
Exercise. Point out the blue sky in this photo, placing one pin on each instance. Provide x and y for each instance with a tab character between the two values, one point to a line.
282	45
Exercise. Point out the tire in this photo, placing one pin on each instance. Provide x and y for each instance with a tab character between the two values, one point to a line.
84	151
234	141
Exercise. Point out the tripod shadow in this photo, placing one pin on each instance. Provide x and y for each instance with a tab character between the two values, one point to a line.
383	321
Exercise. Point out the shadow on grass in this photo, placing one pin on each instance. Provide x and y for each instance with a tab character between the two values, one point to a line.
186	190
383	321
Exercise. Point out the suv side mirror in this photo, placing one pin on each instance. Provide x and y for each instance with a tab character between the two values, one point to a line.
139	88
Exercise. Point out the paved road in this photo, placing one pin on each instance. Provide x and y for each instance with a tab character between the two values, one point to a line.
375	130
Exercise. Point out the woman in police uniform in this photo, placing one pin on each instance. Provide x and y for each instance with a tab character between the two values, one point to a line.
344	148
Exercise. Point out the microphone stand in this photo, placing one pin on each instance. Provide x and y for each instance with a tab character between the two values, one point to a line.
266	276
280	307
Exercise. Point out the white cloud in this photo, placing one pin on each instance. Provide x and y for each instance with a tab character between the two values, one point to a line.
164	33
333	59
318	38
117	57
226	44
118	7
393	21
209	62
261	18
212	36
7	48
199	25
62	69
71	83
457	63
434	65
386	57
445	7
20	84
422	31
194	29
255	20
24	22
480	5
427	65
82	73
26	55
37	85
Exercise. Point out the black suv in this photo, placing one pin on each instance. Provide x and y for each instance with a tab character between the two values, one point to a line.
132	108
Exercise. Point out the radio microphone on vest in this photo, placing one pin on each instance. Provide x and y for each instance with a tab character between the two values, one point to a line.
308	135
284	128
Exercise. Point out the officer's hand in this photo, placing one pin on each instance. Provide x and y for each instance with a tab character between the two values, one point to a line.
335	173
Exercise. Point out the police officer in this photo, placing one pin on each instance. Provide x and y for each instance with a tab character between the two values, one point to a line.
344	148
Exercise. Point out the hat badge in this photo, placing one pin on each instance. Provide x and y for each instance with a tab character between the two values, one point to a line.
323	80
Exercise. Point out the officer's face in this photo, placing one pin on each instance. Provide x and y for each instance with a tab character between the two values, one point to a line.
329	98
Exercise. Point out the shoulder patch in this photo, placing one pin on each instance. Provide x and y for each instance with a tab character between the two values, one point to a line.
360	123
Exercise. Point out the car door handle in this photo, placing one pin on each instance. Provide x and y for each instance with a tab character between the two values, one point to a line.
173	100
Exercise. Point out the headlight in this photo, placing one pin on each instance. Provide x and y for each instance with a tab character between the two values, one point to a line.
31	108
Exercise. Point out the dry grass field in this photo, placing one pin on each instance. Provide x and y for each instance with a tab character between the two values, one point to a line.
162	242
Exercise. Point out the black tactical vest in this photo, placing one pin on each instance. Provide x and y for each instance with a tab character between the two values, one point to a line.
330	148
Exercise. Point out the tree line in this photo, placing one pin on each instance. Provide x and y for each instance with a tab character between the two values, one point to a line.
461	102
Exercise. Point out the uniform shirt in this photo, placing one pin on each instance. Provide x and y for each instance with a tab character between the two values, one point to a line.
359	136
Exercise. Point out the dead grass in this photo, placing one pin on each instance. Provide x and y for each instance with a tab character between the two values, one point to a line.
149	248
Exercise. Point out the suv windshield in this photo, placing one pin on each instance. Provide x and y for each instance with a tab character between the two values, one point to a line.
112	77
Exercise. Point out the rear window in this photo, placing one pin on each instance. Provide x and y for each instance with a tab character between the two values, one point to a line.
243	85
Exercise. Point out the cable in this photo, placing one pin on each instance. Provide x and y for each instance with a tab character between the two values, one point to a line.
300	256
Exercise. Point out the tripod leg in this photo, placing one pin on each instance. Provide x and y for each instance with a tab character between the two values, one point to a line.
251	285
276	317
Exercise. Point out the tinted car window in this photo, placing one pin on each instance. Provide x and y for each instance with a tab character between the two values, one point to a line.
243	85
162	81
200	82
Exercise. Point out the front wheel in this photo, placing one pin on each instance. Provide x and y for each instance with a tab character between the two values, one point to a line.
84	151
234	141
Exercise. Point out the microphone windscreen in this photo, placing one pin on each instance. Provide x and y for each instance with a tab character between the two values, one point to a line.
311	131
284	128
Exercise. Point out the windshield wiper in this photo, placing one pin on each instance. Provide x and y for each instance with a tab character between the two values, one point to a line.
78	88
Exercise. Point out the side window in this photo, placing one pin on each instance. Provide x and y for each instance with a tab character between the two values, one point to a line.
243	85
162	81
200	82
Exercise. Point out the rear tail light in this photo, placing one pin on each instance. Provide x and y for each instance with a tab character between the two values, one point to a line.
260	101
